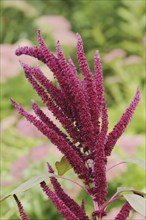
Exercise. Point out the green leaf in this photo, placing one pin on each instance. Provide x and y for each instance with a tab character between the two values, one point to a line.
63	166
130	189
137	202
3	198
141	163
28	185
35	181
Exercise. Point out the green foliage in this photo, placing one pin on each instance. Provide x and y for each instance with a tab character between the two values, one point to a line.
21	87
10	16
37	208
63	166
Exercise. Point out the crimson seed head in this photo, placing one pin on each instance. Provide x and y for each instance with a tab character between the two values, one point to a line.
80	106
124	212
21	210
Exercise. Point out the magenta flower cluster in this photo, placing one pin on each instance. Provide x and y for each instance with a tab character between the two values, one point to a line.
81	108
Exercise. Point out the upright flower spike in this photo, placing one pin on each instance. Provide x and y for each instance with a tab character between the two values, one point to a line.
82	58
122	124
51	125
21	210
61	76
43	54
40	39
70	203
66	122
72	156
78	97
124	212
99	161
62	208
98	78
54	92
70	100
45	119
88	83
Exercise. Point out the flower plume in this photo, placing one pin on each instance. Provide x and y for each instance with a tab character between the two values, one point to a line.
81	108
21	210
124	212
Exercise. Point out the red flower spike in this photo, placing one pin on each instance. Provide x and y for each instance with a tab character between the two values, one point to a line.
78	97
55	93
50	169
51	125
124	212
88	83
66	122
46	120
87	129
99	161
82	58
21	210
40	38
74	159
98	78
44	54
31	51
70	203
122	124
66	81
62	208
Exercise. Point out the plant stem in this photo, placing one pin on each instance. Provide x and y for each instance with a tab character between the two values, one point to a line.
61	177
96	207
110	201
116	165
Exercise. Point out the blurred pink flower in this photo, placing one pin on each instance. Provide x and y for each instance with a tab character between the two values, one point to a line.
22	163
113	79
112	214
7	122
54	22
116	171
59	27
6	183
40	152
65	37
19	166
9	62
133	59
130	143
113	54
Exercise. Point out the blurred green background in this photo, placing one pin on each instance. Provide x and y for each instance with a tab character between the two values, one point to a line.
114	27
